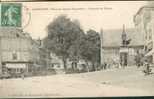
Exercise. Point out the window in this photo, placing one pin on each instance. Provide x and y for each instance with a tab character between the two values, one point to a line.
14	56
150	34
52	65
17	70
17	35
145	48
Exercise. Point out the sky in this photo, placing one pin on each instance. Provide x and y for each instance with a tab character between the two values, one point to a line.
91	15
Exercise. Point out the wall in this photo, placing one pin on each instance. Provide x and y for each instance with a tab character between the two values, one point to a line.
9	46
15	43
111	55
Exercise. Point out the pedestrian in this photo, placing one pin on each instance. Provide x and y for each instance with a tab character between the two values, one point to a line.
105	65
147	69
23	75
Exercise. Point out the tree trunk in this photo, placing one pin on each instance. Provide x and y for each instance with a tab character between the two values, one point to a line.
96	66
72	66
93	66
64	63
87	66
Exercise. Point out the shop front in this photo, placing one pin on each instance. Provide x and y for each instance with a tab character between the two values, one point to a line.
15	69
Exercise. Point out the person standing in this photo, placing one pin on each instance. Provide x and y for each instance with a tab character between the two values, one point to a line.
147	69
23	74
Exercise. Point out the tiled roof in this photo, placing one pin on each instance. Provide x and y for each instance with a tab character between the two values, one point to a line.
113	37
13	32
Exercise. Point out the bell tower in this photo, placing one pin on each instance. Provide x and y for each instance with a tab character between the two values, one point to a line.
124	48
124	36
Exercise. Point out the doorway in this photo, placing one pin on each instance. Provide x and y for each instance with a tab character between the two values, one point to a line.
124	59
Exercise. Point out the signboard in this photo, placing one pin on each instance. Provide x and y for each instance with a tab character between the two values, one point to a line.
123	50
15	65
10	14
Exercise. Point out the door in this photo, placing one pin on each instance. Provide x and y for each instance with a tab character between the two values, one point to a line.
123	59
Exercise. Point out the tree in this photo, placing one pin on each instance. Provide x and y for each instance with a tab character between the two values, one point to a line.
63	37
90	48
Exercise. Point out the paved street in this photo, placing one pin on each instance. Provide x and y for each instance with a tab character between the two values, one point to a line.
114	82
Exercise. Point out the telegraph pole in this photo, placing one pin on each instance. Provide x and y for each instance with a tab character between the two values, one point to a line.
101	49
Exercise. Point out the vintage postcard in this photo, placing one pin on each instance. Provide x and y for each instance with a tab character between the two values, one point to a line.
76	49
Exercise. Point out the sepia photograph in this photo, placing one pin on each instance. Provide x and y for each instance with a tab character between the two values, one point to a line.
52	49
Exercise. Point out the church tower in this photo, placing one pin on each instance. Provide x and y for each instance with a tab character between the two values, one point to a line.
124	36
124	49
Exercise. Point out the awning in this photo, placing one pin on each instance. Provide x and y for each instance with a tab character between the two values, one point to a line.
123	50
149	53
15	65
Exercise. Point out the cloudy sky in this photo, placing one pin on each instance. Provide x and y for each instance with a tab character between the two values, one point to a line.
92	15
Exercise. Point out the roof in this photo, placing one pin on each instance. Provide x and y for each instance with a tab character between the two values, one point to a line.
112	37
13	32
144	7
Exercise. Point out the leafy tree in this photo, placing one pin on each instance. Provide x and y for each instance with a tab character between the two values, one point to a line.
63	37
90	48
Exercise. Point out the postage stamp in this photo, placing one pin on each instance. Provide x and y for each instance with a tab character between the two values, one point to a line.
11	14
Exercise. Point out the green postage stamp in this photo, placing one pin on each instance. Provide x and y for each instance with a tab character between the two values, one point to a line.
10	14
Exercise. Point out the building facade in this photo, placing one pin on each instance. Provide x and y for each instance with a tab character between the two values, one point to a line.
112	49
144	23
19	53
56	62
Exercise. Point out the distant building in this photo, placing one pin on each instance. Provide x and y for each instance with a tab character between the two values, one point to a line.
144	24
56	62
111	46
71	62
20	53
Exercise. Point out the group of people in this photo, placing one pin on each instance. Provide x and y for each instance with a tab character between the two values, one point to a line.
146	64
147	70
141	60
110	65
105	66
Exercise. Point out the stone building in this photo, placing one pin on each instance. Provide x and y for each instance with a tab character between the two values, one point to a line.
20	53
56	61
144	24
111	46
